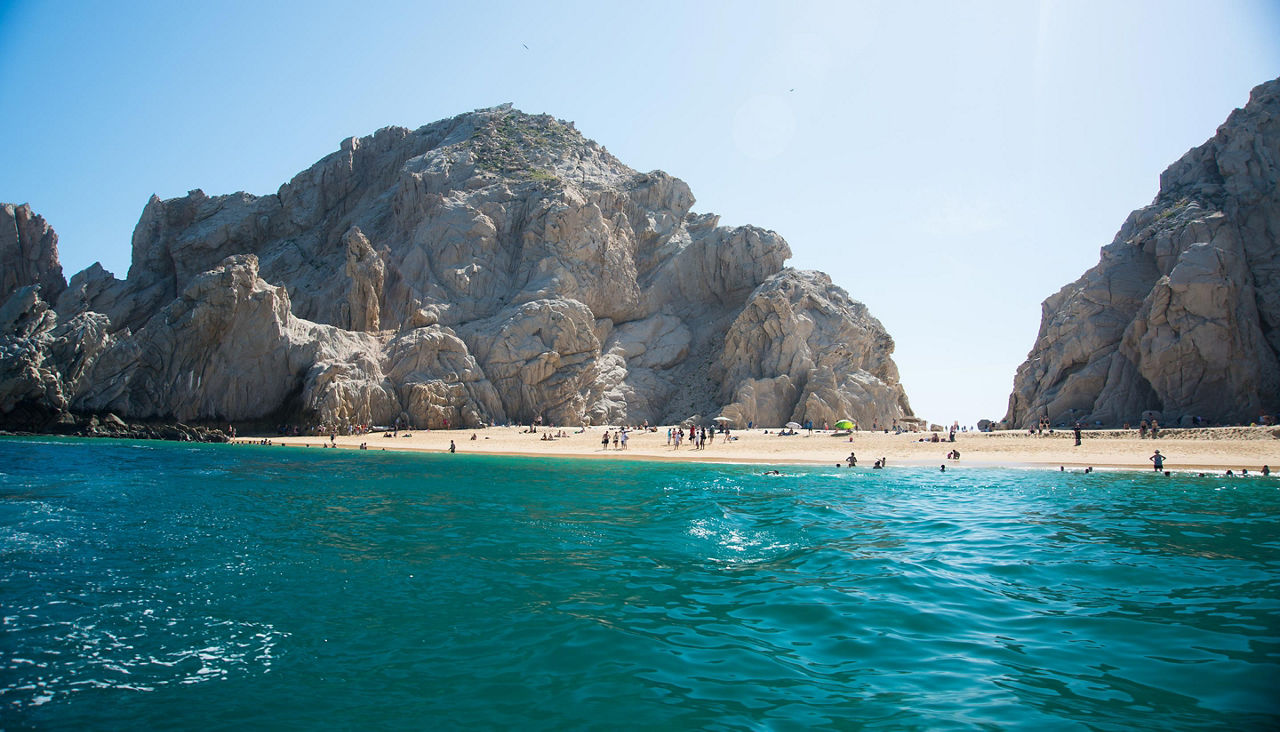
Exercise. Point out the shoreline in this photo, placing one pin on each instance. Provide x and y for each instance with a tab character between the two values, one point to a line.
1186	450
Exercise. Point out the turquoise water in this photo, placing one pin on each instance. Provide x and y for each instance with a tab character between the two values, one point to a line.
167	586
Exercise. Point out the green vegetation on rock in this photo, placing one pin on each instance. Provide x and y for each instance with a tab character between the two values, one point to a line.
523	147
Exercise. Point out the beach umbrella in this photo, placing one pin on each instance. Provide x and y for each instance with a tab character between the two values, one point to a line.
844	424
722	419
793	425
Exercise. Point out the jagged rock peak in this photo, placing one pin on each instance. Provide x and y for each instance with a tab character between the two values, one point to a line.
1180	320
28	253
489	267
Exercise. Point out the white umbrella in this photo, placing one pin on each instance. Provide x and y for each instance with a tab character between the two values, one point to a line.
722	419
793	425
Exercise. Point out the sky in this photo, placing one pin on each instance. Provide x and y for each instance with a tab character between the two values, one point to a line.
950	164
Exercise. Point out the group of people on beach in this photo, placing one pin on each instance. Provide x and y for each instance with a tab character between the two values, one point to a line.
698	437
619	438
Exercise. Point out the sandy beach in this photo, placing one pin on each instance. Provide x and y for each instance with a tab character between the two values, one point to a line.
1221	448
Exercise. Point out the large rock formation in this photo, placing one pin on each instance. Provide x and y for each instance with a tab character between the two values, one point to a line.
495	266
1181	318
28	253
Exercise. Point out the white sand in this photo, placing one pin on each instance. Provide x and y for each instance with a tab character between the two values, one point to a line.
1235	448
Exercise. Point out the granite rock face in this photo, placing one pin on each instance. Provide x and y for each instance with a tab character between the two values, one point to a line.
28	253
1181	317
44	362
800	342
491	267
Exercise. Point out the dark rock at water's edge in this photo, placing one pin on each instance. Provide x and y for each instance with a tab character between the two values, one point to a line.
1180	320
109	425
492	267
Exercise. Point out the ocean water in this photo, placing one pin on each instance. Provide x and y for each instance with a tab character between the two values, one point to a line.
164	586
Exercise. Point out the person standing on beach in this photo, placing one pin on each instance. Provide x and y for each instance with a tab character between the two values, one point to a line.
852	460
1076	429
604	441
452	447
1157	461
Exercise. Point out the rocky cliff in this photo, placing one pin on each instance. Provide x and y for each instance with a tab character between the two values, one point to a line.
1181	317
28	253
495	266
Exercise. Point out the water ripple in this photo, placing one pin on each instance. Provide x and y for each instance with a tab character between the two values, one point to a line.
145	585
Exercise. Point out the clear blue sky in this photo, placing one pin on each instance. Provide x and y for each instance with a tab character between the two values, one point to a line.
951	164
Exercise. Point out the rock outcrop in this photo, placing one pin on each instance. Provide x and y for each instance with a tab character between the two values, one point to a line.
1181	317
492	267
794	342
43	362
28	253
